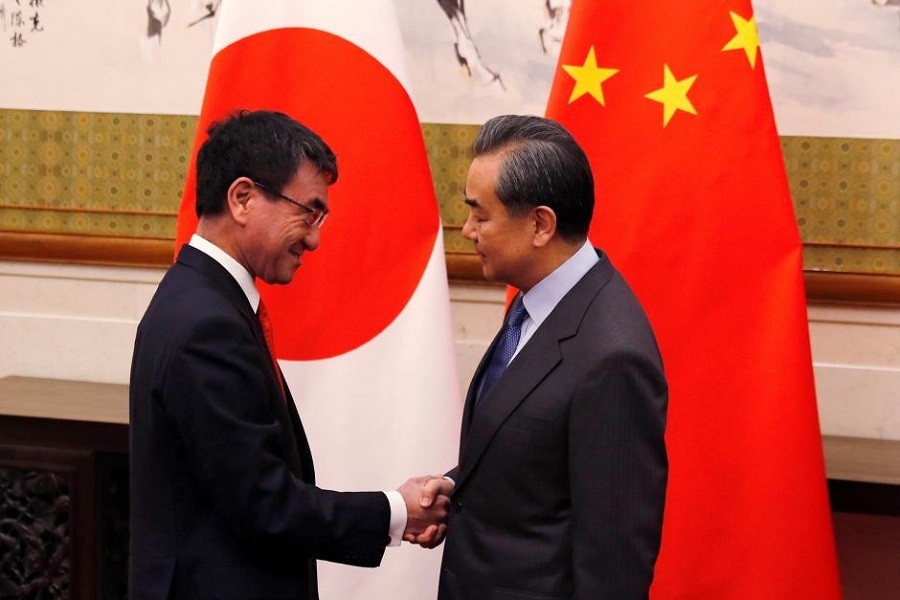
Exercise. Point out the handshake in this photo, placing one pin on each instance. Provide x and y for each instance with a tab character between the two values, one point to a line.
427	502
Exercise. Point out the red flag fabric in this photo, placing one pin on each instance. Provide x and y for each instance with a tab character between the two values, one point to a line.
670	102
363	333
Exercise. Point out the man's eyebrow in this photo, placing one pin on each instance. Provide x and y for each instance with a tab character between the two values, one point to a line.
472	202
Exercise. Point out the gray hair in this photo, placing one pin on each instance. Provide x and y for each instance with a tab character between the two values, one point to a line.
543	166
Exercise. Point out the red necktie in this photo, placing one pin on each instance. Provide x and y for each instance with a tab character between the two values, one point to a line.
263	314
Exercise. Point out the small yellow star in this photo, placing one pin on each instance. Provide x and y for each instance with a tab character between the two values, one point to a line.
589	78
746	38
673	95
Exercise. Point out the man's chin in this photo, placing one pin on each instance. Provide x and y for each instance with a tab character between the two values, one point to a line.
281	278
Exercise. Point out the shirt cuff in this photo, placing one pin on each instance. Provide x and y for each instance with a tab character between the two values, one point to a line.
398	517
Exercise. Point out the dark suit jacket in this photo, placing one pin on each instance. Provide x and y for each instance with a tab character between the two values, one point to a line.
222	497
562	467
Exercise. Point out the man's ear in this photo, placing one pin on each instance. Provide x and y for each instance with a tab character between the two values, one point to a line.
238	199
544	225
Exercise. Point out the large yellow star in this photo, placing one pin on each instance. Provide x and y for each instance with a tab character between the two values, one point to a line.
589	78
746	38
673	95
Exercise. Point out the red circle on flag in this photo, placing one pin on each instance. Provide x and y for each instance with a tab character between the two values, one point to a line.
384	220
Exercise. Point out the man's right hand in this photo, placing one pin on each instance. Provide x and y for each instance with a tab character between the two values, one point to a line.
427	501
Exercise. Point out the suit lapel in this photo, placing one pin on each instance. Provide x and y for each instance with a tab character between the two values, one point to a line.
222	280
475	383
294	436
535	361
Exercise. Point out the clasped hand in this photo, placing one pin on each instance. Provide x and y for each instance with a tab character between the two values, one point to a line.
427	501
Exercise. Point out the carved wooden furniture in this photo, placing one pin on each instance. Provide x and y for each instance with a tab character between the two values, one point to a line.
63	489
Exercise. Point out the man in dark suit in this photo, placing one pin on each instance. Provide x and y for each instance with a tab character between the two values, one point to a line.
562	467
223	501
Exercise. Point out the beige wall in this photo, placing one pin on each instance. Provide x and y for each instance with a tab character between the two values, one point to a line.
78	322
856	357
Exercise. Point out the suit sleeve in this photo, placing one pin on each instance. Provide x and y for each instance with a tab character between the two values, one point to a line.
218	392
618	472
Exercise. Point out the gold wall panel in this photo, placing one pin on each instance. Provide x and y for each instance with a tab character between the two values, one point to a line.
121	175
846	195
448	154
92	173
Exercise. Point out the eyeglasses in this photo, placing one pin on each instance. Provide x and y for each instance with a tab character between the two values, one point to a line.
316	217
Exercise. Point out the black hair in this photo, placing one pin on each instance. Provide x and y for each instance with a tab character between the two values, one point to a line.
265	146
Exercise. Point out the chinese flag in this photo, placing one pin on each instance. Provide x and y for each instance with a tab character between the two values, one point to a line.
363	334
669	100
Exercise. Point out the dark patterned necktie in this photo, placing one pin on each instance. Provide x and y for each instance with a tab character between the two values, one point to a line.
506	346
263	314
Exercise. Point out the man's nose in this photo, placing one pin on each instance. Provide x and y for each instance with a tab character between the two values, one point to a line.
468	230
311	239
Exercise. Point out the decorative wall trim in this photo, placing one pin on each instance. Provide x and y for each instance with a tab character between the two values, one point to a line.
90	250
852	287
136	252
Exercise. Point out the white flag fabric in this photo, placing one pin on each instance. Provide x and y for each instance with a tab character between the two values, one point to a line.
363	334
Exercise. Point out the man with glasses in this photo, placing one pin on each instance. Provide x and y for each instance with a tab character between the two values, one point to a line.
223	501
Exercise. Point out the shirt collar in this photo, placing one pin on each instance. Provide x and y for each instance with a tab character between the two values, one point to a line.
236	269
543	297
